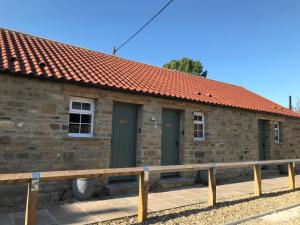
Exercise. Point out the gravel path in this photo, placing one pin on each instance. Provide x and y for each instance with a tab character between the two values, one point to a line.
295	221
225	211
288	217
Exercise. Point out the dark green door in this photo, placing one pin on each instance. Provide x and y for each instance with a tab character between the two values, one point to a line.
170	138
123	143
261	139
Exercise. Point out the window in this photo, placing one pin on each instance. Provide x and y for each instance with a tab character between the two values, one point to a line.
198	126
81	117
276	132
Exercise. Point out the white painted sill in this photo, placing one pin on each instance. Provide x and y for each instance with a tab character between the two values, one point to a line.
199	139
67	137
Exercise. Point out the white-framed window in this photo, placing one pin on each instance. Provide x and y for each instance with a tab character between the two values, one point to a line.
199	130
276	132
81	117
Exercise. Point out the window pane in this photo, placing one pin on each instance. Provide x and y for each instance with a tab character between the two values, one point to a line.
74	118
86	106
200	134
276	135
195	134
73	128
200	127
195	126
86	118
76	105
85	129
198	118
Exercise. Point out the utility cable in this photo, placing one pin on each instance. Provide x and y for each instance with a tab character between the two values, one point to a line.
139	30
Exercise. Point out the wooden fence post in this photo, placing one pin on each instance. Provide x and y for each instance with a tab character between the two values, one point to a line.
143	195
257	180
32	199
212	186
291	179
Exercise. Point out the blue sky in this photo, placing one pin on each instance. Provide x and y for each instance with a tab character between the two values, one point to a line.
252	43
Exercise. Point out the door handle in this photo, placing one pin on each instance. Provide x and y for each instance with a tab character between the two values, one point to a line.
176	143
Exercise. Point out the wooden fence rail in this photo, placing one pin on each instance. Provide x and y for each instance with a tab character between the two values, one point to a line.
143	173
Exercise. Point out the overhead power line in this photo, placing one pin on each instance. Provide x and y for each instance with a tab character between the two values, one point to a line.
139	30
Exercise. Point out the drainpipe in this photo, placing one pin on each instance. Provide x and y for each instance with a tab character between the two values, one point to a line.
290	103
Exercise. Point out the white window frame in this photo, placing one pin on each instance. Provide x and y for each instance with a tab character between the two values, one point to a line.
80	111
278	130
199	122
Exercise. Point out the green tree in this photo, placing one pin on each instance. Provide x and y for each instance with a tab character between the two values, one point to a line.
186	65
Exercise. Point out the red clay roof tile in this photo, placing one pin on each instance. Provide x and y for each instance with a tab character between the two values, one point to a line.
34	56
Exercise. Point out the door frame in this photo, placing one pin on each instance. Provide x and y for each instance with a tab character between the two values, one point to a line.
262	139
178	112
127	178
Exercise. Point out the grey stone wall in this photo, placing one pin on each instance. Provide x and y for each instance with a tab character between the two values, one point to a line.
34	125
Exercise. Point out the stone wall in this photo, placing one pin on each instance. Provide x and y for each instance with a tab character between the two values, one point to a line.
34	125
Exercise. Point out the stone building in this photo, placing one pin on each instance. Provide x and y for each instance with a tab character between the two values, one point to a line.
64	107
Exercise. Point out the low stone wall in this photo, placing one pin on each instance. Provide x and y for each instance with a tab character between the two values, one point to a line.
15	195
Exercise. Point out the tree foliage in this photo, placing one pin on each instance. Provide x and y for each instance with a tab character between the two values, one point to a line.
186	65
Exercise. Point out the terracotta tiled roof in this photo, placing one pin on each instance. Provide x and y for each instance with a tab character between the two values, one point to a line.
37	57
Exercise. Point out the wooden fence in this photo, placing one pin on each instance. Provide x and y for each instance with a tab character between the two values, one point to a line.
33	180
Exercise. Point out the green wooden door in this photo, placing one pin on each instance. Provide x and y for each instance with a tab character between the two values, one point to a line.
170	138
124	130
261	139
